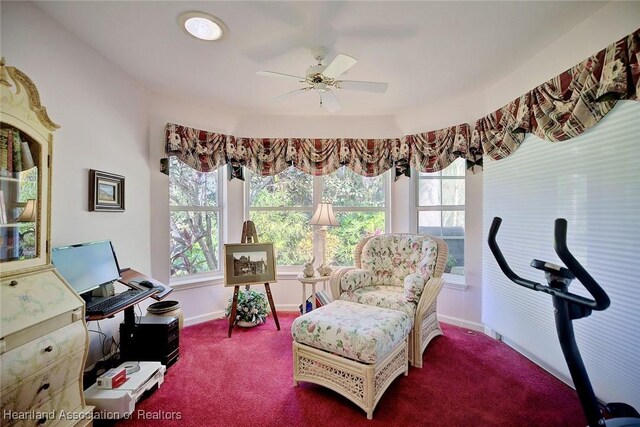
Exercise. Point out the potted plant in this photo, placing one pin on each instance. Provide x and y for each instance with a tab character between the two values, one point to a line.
252	308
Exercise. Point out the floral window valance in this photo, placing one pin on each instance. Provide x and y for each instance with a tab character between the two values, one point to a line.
566	105
557	110
426	152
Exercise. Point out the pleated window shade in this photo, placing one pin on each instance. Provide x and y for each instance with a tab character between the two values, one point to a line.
593	181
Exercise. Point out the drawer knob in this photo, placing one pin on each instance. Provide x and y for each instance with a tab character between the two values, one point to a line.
44	386
13	283
48	349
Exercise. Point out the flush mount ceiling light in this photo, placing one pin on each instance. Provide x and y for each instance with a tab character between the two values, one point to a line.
202	25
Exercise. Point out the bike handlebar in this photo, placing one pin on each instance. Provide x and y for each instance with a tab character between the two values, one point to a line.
601	299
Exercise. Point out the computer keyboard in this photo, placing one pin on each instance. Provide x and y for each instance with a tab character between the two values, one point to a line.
115	303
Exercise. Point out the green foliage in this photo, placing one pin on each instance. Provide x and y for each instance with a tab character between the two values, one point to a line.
287	229
345	188
451	262
252	307
289	232
28	185
290	188
281	208
194	242
342	240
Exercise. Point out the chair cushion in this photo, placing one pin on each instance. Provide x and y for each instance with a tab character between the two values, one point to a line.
390	297
354	279
392	257
356	331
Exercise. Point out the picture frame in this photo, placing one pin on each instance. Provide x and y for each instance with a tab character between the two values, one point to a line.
241	269
106	192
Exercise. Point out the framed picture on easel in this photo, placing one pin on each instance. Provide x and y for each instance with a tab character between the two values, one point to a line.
249	264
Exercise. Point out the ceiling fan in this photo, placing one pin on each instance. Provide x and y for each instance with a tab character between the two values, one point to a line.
324	79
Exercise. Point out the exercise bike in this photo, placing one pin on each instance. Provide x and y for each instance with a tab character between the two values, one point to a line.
569	307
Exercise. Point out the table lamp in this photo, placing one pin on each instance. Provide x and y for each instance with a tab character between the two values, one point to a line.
324	217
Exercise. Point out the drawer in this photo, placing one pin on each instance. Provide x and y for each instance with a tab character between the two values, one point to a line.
34	298
43	385
59	410
19	363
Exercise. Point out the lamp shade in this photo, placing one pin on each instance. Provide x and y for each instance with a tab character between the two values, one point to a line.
29	212
324	215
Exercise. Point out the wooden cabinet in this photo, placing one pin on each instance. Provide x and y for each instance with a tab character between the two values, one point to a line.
43	334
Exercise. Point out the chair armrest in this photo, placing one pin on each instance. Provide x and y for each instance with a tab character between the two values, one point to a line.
354	279
429	295
334	281
413	286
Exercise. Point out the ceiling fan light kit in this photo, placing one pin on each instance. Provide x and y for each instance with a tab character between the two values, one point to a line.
323	79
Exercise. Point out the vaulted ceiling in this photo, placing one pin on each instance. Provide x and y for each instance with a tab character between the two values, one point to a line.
423	50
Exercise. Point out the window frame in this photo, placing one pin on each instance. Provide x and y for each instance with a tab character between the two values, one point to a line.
452	278
212	275
317	197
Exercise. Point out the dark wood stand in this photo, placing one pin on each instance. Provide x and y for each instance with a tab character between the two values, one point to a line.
249	233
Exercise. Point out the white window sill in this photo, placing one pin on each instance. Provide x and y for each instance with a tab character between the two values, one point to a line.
455	281
192	282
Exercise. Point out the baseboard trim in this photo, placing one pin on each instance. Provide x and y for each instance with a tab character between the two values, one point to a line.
537	361
189	321
219	314
474	326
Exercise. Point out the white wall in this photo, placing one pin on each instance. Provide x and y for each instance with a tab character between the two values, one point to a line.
103	116
607	25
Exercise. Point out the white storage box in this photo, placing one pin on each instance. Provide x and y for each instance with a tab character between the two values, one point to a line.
120	402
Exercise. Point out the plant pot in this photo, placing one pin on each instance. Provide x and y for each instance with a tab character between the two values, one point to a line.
246	324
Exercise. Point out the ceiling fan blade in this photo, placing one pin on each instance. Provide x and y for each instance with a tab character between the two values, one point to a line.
281	75
288	95
339	65
363	86
330	102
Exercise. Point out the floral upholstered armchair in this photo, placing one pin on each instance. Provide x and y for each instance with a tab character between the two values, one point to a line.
401	272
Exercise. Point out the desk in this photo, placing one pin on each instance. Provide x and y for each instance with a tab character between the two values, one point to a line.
131	278
311	281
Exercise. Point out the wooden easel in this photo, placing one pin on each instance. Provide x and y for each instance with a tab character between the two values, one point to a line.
249	235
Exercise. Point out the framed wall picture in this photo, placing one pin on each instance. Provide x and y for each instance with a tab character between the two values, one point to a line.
106	192
249	264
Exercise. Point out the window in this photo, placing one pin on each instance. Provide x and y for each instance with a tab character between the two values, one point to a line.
440	210
195	219
281	207
359	204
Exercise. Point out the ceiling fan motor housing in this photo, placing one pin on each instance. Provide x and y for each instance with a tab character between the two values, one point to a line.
315	71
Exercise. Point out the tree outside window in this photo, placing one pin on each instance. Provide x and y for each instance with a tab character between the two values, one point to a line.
195	219
281	206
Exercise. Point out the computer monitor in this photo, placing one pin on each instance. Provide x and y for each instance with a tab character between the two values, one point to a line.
86	266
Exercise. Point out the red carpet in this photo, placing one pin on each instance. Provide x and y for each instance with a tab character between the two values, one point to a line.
246	380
